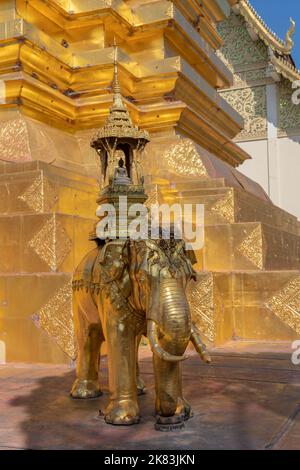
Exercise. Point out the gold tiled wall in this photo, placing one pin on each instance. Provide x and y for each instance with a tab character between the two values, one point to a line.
46	215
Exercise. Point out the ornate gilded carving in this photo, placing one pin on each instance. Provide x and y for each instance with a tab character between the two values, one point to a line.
183	159
201	300
14	141
56	318
119	130
51	243
289	35
40	196
289	113
225	207
251	104
286	304
249	77
153	197
285	67
252	247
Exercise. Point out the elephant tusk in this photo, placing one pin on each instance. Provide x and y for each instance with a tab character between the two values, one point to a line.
152	334
199	346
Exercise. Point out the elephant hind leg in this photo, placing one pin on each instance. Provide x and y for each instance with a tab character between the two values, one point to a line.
140	384
89	337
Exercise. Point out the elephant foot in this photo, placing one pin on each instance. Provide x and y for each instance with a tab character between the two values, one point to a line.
123	413
169	423
85	389
184	408
141	389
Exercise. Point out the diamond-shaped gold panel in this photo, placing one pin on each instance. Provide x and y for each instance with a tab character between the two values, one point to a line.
55	317
153	197
40	196
184	159
252	247
200	297
51	243
286	304
225	207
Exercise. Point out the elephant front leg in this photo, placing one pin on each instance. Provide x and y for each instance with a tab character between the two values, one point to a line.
121	343
89	338
166	386
169	407
183	406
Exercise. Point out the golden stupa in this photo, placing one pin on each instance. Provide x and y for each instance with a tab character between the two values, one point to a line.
56	71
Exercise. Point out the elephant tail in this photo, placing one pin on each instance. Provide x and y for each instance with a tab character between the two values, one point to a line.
200	346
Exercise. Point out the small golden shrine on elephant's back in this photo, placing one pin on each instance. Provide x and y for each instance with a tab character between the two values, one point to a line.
120	145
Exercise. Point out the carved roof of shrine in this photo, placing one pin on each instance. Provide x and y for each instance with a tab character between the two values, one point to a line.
280	56
119	124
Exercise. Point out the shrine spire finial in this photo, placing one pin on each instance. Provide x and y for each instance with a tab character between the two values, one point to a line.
119	124
116	84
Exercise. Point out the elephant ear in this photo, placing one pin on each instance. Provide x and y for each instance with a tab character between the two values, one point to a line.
154	310
102	253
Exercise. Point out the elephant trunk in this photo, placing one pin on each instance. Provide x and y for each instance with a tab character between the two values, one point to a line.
174	330
152	333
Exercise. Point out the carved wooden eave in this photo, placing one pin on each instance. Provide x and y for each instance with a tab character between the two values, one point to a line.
281	51
255	21
285	68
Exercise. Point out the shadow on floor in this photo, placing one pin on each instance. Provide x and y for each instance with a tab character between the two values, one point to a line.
228	415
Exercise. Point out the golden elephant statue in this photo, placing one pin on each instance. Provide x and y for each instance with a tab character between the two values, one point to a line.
124	289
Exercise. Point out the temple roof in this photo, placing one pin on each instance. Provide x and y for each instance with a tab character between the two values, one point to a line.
281	50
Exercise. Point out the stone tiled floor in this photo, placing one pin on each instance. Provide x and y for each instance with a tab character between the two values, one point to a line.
247	399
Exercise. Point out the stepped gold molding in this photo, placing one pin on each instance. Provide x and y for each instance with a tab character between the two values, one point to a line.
161	18
157	84
39	101
68	88
203	18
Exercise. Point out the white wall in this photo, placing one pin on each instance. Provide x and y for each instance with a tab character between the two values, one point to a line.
289	170
257	168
